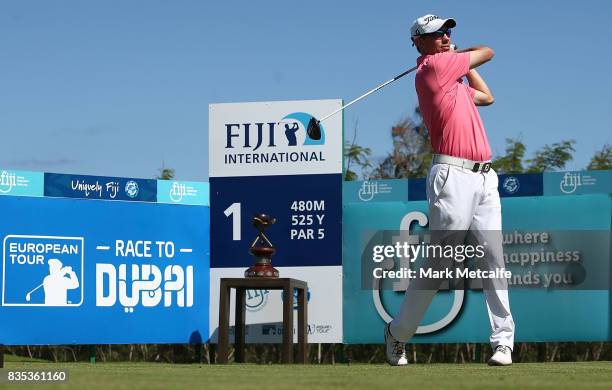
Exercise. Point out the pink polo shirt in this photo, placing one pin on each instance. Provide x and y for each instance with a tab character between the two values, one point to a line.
447	106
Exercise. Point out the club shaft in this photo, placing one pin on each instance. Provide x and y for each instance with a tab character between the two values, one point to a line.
37	287
368	93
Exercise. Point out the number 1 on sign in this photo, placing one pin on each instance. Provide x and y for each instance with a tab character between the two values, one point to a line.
234	211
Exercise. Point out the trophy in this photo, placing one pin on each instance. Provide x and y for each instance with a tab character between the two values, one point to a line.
262	249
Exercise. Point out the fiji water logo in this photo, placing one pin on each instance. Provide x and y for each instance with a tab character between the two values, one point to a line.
131	189
367	191
570	183
21	183
289	131
7	182
371	189
177	191
511	184
256	300
181	191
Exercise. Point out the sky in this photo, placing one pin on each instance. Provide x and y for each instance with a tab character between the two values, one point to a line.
122	88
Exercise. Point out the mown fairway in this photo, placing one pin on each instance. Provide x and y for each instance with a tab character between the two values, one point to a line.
134	376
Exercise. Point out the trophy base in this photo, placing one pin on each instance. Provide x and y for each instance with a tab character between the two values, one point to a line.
260	270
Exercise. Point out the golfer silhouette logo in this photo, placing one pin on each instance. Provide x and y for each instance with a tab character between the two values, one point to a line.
57	283
290	133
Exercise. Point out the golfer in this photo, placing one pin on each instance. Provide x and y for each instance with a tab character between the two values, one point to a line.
58	282
461	186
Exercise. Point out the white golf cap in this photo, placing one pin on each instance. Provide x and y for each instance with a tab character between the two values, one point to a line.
430	23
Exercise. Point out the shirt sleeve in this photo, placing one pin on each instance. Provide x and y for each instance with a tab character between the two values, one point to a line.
451	66
471	91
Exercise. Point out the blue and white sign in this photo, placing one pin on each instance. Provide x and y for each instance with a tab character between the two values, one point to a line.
93	272
528	184
511	184
572	237
578	183
524	184
100	187
307	231
262	161
21	183
269	138
42	271
183	192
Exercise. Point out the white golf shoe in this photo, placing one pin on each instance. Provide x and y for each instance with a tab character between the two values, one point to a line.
396	350
501	357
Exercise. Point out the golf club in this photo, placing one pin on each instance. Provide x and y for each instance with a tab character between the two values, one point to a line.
314	128
28	294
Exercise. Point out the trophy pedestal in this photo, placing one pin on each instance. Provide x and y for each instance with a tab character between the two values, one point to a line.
241	285
263	266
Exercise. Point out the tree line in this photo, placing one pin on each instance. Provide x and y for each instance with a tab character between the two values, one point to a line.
411	155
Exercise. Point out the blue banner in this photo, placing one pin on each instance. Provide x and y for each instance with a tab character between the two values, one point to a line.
21	183
541	314
90	272
100	187
417	189
509	186
308	226
528	184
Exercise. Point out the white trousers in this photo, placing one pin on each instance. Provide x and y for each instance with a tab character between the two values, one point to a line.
461	200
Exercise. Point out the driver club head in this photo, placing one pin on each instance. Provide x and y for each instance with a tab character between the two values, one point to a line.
314	129
262	221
